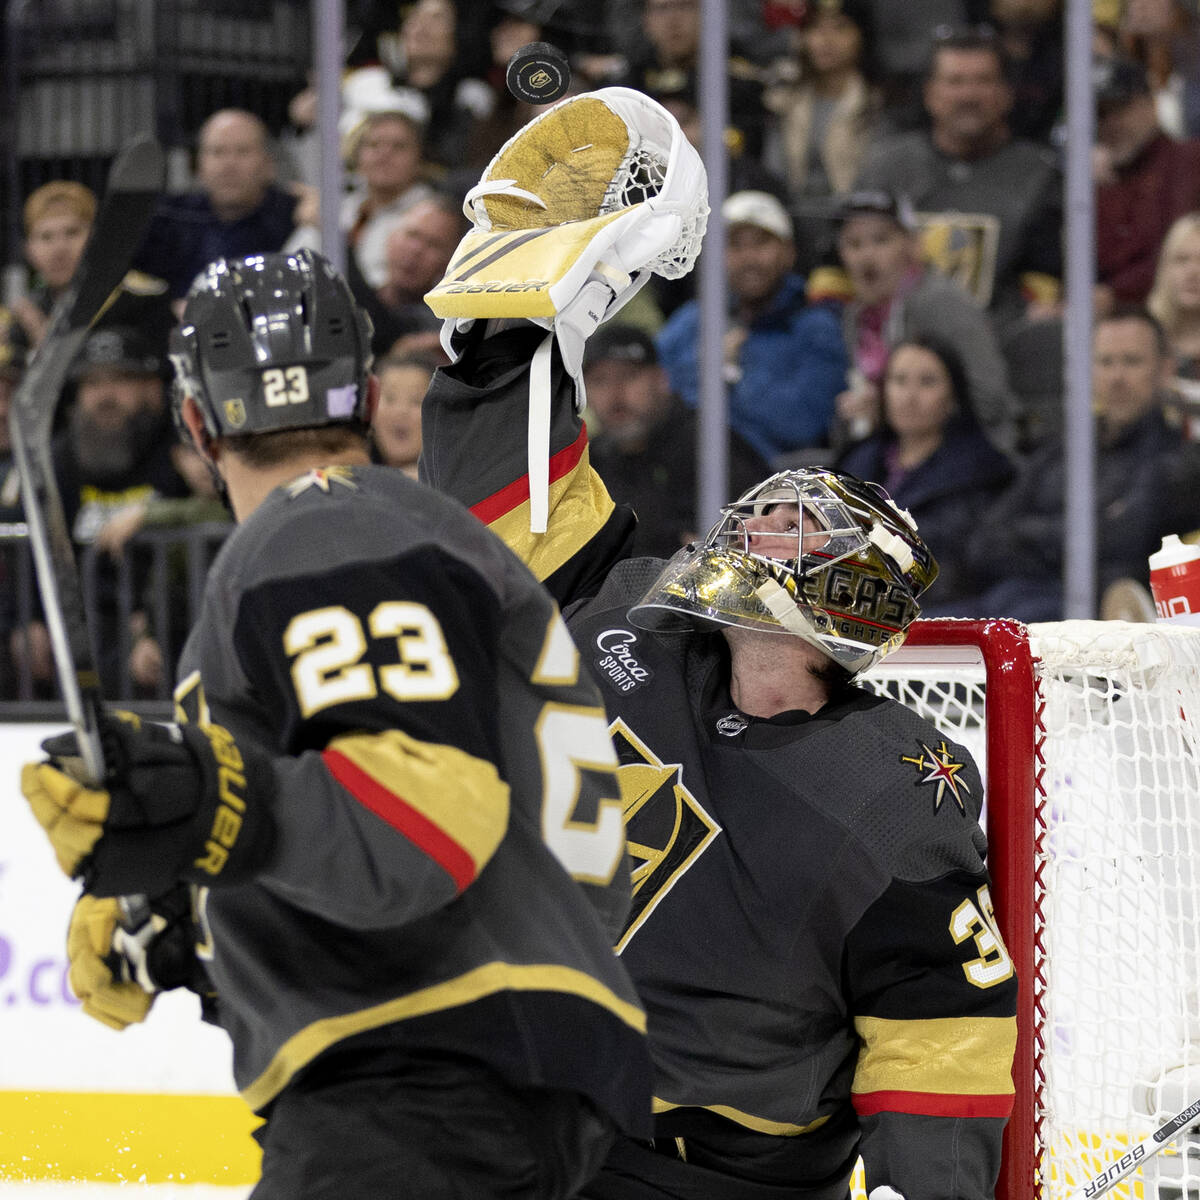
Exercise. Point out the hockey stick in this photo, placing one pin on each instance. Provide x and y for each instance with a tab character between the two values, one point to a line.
134	184
1150	1145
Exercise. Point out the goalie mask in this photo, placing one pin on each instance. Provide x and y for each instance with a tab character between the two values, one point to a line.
275	341
842	567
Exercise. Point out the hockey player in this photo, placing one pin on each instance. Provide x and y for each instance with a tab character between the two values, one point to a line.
812	932
391	769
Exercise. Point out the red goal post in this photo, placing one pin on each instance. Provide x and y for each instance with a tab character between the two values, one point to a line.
1088	736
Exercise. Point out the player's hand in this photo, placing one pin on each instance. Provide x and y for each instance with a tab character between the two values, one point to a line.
883	1192
116	971
108	994
178	803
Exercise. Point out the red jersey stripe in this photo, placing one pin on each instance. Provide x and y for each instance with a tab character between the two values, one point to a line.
931	1104
513	495
401	816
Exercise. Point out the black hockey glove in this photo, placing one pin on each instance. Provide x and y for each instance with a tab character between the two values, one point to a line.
117	971
178	803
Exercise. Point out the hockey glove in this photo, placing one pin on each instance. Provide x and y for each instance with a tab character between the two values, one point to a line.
883	1192
178	803
116	972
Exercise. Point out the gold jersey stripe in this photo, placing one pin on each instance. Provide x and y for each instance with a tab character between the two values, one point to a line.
581	505
965	1056
759	1124
413	776
486	980
127	1137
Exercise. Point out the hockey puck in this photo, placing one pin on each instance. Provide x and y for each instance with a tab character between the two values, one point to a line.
538	73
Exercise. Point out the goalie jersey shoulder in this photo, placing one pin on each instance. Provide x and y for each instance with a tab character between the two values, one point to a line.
917	795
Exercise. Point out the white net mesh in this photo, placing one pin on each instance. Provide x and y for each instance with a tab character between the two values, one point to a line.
660	162
1118	853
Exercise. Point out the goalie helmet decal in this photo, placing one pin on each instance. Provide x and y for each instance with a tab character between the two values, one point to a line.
274	341
846	575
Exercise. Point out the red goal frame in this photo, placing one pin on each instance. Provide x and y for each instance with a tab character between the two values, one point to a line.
1014	771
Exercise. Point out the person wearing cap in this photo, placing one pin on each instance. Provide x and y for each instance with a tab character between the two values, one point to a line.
644	447
785	359
991	203
897	296
114	452
1144	181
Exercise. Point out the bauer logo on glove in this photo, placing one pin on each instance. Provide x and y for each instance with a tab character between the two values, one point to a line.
178	803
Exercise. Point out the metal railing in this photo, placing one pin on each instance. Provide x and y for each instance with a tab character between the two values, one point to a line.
153	589
81	77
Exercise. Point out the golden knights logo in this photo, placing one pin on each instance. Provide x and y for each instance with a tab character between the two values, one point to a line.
235	413
322	479
939	768
665	826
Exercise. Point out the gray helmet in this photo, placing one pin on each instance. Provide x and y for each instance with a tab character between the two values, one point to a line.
852	596
275	341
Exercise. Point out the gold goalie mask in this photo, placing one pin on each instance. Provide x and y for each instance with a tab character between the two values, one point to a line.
844	574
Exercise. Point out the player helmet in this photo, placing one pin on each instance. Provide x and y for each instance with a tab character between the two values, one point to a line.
851	590
275	341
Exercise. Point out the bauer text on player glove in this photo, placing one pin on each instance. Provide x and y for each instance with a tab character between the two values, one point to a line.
178	803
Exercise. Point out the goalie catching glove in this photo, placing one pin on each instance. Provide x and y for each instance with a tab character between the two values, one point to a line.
178	803
573	215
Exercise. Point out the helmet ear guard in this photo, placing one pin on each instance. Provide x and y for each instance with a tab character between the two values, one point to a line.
274	341
853	596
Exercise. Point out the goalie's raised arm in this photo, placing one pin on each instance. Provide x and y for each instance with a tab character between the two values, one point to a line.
570	219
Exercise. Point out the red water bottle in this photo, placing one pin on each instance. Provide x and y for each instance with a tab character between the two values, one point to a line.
1175	581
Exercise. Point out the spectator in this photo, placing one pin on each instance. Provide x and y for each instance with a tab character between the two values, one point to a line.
902	51
11	366
1164	35
934	459
58	219
646	445
1175	301
237	209
821	121
384	151
153	650
991	203
1032	34
114	452
667	58
423	65
515	23
416	254
897	296
1145	485
396	425
1144	180
784	357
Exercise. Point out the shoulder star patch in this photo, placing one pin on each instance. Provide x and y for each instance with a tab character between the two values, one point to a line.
323	479
940	768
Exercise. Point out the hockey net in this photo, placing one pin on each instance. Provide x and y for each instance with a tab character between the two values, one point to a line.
1088	734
